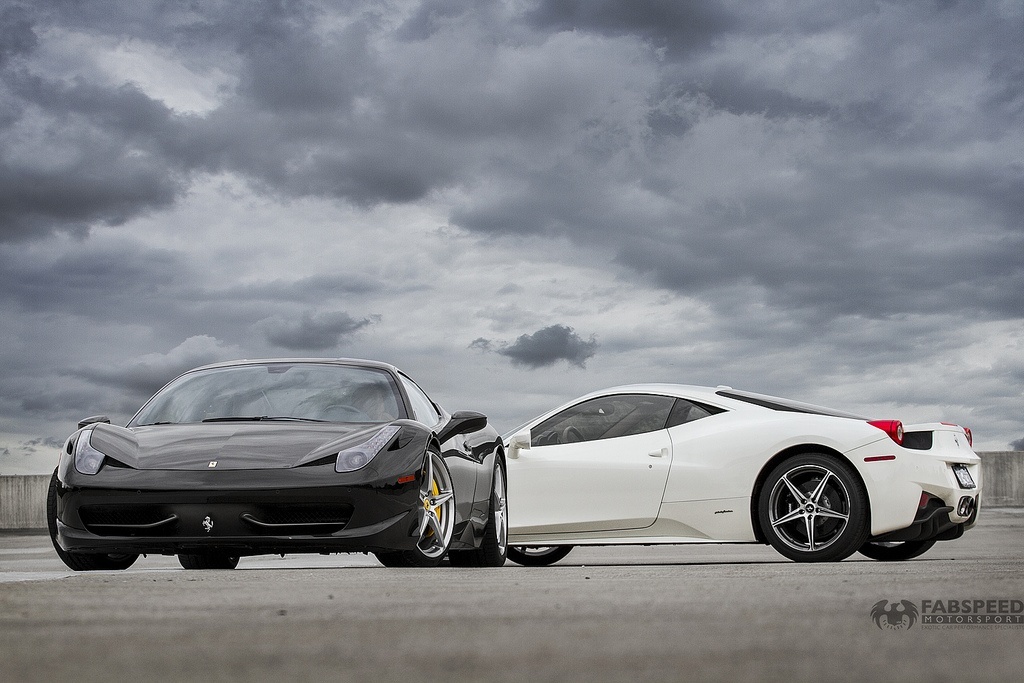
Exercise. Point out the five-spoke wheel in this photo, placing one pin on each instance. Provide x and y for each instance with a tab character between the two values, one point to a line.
436	518
813	508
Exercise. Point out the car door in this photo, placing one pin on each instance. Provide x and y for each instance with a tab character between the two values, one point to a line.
600	465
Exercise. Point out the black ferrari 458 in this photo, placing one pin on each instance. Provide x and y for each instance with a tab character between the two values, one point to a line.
282	456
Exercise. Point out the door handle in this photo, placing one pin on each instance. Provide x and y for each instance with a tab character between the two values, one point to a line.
660	453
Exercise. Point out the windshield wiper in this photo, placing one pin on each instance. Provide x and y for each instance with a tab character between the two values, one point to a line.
153	424
261	418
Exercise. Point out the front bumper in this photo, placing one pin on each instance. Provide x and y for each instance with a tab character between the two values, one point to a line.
239	513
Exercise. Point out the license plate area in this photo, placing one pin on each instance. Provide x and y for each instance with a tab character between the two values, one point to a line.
963	477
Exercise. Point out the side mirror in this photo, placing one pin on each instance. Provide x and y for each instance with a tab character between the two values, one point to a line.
520	441
462	422
93	420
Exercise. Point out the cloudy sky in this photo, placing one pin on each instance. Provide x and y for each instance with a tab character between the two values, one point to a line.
516	202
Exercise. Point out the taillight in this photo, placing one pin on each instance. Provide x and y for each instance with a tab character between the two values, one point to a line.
894	428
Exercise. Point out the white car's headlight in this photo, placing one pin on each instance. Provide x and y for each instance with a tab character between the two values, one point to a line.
88	460
351	459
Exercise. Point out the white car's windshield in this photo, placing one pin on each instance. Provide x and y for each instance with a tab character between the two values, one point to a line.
276	391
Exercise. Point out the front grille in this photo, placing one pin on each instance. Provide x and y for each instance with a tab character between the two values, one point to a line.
127	520
303	513
300	518
212	518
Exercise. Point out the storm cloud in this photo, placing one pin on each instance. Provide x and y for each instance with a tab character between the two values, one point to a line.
815	200
544	347
312	332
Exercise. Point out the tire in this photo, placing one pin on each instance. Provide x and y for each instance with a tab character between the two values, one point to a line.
208	561
538	555
494	547
895	551
813	508
436	522
80	562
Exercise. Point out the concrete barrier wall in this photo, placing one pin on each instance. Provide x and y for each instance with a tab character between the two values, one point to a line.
1003	479
23	501
23	498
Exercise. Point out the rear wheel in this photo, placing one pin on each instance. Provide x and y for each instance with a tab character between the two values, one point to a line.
494	546
895	551
813	508
436	521
80	562
538	555
208	561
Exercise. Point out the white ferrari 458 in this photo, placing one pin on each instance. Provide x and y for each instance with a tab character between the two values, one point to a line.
666	463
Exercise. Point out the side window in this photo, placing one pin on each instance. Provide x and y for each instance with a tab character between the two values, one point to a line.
422	408
685	411
606	417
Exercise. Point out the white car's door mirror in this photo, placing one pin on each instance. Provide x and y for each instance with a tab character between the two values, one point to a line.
520	441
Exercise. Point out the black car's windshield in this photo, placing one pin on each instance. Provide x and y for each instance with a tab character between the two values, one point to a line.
276	392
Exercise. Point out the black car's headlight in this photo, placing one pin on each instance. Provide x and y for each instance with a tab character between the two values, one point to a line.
351	459
88	460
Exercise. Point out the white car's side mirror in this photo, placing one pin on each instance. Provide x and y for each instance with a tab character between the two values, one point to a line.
520	441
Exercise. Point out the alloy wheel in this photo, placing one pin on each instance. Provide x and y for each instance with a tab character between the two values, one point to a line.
437	498
809	508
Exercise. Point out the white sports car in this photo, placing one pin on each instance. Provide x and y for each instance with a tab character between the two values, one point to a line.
666	463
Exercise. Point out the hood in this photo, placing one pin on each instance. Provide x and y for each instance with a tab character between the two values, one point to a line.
232	445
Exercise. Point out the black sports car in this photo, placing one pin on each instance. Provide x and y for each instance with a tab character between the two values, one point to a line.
282	456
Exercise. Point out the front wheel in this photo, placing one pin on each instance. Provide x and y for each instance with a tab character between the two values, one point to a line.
895	551
538	555
813	508
436	520
80	562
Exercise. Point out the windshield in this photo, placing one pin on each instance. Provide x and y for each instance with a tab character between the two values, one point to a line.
276	391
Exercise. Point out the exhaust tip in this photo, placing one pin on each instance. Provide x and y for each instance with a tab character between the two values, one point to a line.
965	508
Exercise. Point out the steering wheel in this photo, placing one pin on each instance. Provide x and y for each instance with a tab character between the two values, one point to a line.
571	435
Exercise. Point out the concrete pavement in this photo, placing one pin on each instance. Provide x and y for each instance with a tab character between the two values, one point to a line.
604	614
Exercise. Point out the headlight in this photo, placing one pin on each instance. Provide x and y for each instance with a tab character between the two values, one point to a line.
351	459
88	460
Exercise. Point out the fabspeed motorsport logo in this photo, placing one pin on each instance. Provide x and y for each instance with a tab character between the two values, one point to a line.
902	615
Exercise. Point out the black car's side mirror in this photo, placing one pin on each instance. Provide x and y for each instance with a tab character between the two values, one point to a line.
93	420
462	422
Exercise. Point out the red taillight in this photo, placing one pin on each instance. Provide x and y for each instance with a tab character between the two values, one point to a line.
894	428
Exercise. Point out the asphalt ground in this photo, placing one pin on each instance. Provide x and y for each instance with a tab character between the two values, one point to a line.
727	613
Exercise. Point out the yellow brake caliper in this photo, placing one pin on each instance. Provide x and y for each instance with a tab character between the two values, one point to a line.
434	490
